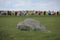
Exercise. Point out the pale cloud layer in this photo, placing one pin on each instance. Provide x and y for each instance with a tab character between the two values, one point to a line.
30	5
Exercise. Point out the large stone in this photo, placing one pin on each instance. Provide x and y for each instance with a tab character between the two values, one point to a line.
31	24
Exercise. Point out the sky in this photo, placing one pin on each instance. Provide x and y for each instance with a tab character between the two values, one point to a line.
43	5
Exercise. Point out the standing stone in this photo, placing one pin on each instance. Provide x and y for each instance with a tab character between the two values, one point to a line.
31	24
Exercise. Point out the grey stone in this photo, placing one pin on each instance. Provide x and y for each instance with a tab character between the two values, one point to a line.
31	24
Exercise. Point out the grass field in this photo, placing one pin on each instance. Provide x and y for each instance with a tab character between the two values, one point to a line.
8	30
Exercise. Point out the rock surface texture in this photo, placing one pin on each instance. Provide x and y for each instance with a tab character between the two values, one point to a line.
30	25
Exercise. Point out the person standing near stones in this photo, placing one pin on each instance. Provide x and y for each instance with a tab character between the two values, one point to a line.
0	12
49	12
9	12
57	13
15	13
44	12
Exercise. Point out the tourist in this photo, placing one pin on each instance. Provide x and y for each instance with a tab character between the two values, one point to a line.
49	12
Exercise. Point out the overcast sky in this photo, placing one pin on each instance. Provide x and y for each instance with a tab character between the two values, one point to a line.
30	5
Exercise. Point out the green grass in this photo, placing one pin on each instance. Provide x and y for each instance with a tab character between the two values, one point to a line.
8	30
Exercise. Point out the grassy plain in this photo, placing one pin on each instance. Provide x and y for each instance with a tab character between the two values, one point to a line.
8	30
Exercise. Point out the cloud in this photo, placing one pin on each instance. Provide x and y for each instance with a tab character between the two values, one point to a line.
20	4
51	5
30	4
8	2
5	3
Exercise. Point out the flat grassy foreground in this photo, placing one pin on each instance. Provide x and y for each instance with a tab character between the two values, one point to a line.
8	30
